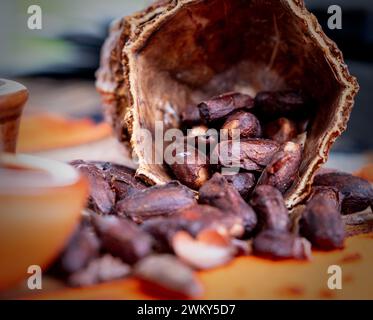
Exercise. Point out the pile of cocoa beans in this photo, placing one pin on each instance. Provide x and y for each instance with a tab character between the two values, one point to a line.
163	233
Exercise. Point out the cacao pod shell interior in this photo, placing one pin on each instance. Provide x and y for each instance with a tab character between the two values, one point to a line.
177	53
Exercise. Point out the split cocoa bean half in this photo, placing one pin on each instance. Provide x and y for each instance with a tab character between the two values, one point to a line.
169	273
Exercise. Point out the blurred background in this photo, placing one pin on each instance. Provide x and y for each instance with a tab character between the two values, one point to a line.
58	62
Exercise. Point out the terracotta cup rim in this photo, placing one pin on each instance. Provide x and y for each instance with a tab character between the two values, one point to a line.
36	173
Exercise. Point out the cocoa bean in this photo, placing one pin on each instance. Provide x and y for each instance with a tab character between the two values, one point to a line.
330	193
250	154
122	180
191	168
247	124
275	104
278	245
219	107
156	201
218	193
83	247
244	182
283	168
281	130
122	238
190	116
356	192
102	197
322	224
270	208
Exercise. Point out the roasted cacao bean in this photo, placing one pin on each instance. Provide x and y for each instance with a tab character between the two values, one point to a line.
329	193
250	154
156	201
221	106
190	116
270	208
322	224
83	247
122	180
122	238
191	168
102	197
167	272
218	193
244	182
278	245
275	104
247	124
283	168
281	130
357	193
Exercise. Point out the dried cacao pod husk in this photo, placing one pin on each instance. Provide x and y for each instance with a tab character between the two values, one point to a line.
174	54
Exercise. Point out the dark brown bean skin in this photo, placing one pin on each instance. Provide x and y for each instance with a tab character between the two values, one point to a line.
102	197
156	201
357	193
218	193
329	193
219	107
281	130
269	205
162	230
247	124
122	180
283	167
122	238
275	104
322	224
279	245
244	182
252	154
83	247
190	117
191	168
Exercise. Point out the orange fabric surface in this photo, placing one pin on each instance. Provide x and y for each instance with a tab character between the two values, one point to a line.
44	131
